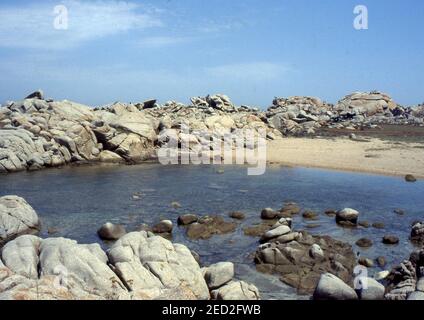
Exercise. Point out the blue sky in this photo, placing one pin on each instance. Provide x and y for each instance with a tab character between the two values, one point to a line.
252	50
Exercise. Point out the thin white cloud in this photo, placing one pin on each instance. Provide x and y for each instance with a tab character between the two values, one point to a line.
32	26
162	41
256	71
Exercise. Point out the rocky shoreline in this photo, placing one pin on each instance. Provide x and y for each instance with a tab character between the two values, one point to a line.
144	265
36	132
138	266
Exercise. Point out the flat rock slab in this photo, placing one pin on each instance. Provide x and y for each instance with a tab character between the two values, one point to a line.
207	227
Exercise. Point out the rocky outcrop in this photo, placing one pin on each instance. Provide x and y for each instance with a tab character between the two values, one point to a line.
17	217
407	278
417	233
38	132
67	269
207	226
139	266
300	259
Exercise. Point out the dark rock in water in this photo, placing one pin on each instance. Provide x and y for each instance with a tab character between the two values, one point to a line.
347	224
381	262
390	239
347	215
331	212
331	287
312	226
378	225
237	215
164	226
187	219
399	212
366	262
290	209
36	95
364	224
364	243
258	230
293	262
310	215
207	227
410	178
417	233
110	231
268	214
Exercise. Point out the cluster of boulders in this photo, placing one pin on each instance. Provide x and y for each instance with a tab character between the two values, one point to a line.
37	132
329	269
305	115
139	265
219	278
300	259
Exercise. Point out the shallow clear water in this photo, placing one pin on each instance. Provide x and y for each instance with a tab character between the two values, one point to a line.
77	201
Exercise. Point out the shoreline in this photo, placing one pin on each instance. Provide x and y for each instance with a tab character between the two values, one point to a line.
341	154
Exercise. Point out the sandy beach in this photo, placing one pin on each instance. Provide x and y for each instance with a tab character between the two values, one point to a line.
370	155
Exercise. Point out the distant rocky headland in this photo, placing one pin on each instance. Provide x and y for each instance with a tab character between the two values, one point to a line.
37	132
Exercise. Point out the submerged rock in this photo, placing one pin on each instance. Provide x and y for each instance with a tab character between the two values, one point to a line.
237	215
389	239
364	243
207	227
187	219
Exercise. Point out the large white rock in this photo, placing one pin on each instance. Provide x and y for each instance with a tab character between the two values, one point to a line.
150	265
16	217
21	256
331	287
219	274
371	289
236	290
274	233
416	296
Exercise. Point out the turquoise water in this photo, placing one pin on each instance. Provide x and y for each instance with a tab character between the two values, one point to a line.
77	201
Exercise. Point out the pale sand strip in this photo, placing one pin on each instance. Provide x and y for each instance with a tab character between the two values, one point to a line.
376	156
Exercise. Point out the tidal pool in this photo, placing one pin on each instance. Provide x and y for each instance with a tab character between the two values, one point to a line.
76	201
